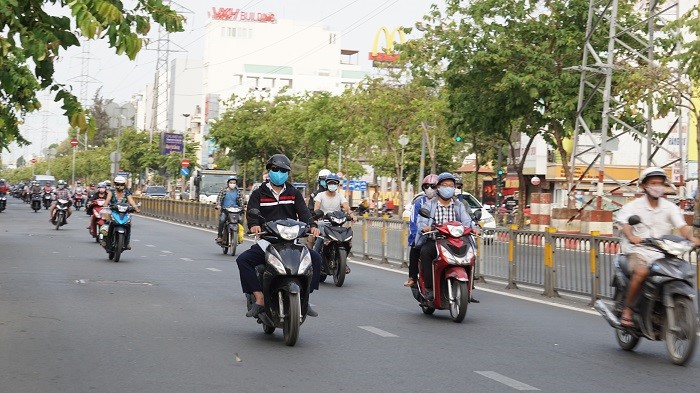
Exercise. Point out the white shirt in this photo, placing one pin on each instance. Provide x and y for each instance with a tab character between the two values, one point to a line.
655	223
330	203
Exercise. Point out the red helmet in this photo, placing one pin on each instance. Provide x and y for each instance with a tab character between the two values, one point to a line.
430	179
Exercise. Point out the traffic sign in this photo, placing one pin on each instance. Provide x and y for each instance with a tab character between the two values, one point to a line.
185	171
33	160
74	142
185	163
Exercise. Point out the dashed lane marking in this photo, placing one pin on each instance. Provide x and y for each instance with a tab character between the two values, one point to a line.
213	269
187	259
166	252
150	245
378	332
517	385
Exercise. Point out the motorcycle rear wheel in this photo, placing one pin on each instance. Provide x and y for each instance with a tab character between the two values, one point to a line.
458	305
59	220
118	246
292	321
680	345
342	261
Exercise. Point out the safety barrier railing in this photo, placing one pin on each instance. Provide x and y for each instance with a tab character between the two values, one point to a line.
557	262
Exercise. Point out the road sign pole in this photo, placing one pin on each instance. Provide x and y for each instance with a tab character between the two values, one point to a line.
73	175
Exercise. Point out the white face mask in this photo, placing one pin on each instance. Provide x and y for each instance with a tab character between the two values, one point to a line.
232	185
332	187
430	193
656	192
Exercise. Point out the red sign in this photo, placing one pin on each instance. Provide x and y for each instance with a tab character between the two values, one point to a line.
237	15
33	160
74	142
185	163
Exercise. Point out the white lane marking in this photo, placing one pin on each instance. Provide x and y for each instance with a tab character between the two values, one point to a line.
135	240
187	259
517	385
166	252
213	269
150	245
378	332
191	227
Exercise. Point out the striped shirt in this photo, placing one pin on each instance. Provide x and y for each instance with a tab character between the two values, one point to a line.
445	214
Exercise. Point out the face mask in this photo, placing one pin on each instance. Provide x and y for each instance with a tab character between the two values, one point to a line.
323	183
656	192
119	188
278	178
232	185
446	192
430	193
332	187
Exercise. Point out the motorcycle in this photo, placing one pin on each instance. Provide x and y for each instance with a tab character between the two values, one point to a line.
285	277
336	246
453	269
96	220
47	199
118	231
35	202
233	229
78	201
61	213
664	309
3	201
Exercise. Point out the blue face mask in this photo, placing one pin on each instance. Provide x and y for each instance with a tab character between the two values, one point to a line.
323	183
278	178
446	192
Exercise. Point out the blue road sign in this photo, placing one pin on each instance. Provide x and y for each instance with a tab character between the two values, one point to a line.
185	171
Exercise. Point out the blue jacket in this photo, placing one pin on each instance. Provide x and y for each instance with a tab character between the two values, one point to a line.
413	221
460	214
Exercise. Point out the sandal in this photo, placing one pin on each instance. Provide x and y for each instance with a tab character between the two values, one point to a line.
626	322
410	283
347	269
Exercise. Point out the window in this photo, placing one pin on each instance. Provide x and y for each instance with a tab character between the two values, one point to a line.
331	38
324	72
267	83
237	79
285	83
251	81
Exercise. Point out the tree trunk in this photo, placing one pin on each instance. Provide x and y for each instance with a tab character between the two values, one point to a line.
522	186
559	137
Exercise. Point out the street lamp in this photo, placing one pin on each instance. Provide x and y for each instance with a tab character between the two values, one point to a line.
403	141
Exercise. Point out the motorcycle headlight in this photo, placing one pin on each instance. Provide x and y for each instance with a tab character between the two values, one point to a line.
456	230
122	208
276	263
305	262
288	233
338	220
453	259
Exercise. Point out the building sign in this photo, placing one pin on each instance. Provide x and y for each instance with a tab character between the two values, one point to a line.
172	143
389	36
241	16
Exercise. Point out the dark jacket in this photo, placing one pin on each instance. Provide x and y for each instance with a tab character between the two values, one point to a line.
291	205
313	195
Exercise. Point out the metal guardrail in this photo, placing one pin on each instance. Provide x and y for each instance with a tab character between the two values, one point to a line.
558	262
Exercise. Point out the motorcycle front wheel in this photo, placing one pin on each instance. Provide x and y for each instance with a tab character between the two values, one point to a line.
680	343
292	322
59	220
118	246
341	264
459	301
233	241
626	340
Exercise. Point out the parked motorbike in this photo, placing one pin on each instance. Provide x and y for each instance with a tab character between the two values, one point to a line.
664	309
3	201
453	269
96	220
232	229
119	230
337	242
285	277
78	201
47	198
61	213
35	200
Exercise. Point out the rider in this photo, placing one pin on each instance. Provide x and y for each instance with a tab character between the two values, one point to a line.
276	200
659	217
442	209
322	174
429	186
101	193
48	189
120	195
3	187
330	201
229	196
79	189
62	192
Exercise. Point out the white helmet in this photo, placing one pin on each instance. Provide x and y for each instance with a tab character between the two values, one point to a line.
652	171
323	173
119	180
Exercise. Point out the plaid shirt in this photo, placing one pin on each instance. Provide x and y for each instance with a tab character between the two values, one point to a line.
222	195
444	214
63	194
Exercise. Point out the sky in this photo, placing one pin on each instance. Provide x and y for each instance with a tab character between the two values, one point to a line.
357	20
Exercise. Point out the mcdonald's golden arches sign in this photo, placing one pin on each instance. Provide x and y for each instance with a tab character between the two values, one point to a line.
388	55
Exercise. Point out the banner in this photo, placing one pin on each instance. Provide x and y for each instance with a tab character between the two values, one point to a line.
389	36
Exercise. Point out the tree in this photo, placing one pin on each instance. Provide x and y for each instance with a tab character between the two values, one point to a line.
99	115
31	39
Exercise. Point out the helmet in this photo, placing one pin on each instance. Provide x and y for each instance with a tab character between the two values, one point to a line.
323	173
332	178
120	180
652	171
445	176
232	177
430	179
60	183
458	180
78	182
280	161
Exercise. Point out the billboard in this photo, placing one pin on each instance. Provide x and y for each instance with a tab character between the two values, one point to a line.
171	143
389	37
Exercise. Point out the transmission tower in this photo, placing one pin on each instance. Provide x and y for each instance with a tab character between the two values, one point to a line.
84	79
161	83
593	142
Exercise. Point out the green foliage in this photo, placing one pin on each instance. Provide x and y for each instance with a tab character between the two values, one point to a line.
31	40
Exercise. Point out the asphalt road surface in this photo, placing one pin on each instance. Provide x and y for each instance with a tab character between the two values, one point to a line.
170	318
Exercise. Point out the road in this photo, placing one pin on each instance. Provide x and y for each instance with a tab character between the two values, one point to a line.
170	318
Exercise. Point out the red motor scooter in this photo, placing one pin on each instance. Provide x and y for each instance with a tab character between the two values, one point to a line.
96	220
453	269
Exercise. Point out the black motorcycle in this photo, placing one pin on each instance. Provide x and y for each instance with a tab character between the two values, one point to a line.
3	201
35	200
337	241
232	228
47	198
285	277
664	309
119	230
61	213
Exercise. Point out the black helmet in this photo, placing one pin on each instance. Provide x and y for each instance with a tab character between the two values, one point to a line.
280	161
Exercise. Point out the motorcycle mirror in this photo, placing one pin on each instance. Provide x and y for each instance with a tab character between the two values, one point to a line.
424	212
477	215
318	214
255	213
634	220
